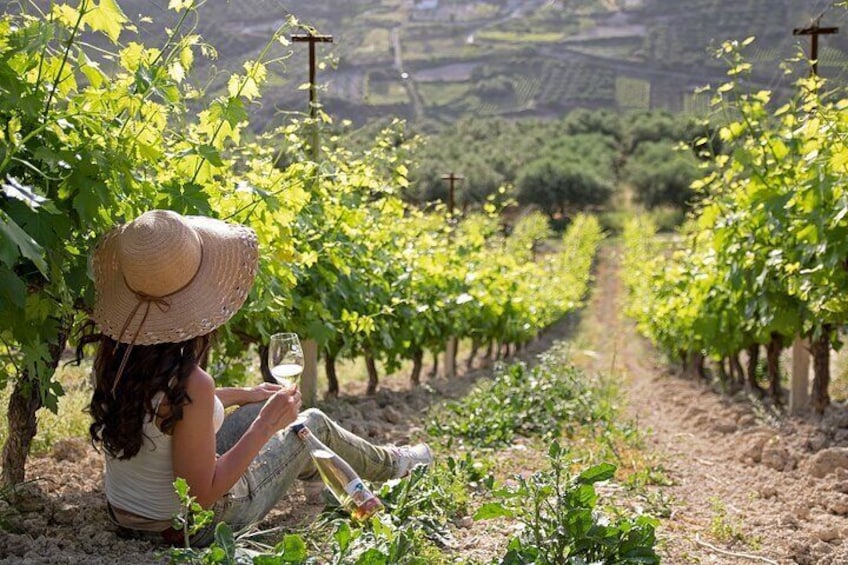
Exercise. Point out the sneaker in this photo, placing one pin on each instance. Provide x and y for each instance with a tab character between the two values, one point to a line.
410	456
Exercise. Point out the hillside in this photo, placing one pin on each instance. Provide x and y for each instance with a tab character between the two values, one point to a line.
443	59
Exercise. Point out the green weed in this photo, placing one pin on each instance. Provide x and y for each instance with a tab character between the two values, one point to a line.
561	520
724	527
542	401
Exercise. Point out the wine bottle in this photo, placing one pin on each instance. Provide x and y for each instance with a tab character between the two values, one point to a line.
339	477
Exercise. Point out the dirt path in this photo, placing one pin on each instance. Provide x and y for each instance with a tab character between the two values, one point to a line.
768	489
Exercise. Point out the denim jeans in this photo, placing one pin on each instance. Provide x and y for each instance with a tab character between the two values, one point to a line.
283	459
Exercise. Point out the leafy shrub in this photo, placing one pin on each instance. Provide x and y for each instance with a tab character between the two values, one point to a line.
562	524
522	401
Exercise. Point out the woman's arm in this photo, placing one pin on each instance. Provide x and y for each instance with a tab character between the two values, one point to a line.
193	453
239	396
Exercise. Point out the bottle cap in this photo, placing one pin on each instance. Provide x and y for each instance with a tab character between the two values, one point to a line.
297	426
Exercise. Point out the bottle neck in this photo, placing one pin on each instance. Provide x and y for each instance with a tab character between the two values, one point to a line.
310	440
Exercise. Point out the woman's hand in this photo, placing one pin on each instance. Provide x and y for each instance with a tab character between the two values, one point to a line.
240	396
262	392
280	409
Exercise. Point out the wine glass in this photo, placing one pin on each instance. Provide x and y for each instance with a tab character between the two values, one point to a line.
285	358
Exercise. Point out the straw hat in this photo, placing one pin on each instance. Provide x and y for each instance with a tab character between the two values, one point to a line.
167	278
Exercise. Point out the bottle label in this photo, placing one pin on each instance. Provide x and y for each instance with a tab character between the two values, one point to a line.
357	492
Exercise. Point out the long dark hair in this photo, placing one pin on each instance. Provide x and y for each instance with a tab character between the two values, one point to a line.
119	417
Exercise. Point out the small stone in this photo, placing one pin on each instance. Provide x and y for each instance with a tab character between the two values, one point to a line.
840	436
104	539
754	450
391	415
356	427
692	412
837	504
29	503
701	421
465	522
376	429
789	521
817	442
746	421
35	525
821	548
768	491
70	449
827	461
838	418
368	406
826	533
801	511
725	427
777	457
66	514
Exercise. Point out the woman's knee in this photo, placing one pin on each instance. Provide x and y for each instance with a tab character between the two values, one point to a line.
316	420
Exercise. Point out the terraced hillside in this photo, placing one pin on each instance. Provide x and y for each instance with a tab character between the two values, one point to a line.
442	59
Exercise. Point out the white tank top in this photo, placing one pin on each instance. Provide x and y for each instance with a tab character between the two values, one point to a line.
144	484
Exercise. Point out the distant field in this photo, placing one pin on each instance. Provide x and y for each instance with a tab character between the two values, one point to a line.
442	93
520	37
632	93
615	53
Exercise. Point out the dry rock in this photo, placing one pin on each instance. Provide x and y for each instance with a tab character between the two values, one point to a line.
465	522
66	514
802	511
789	520
777	457
356	426
836	418
368	406
817	441
376	429
753	451
701	421
827	533
746	421
840	437
768	491
35	525
827	461
822	548
837	504
70	449
391	415
725	427
692	412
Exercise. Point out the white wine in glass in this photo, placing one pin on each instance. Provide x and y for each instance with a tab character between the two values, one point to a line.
285	358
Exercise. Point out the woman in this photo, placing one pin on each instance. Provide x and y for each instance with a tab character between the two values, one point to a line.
163	283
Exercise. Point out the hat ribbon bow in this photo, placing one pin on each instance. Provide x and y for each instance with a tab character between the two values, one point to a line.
161	302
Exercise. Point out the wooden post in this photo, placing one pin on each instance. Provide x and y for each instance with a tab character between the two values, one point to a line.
450	357
451	178
312	39
451	347
309	377
799	391
814	31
